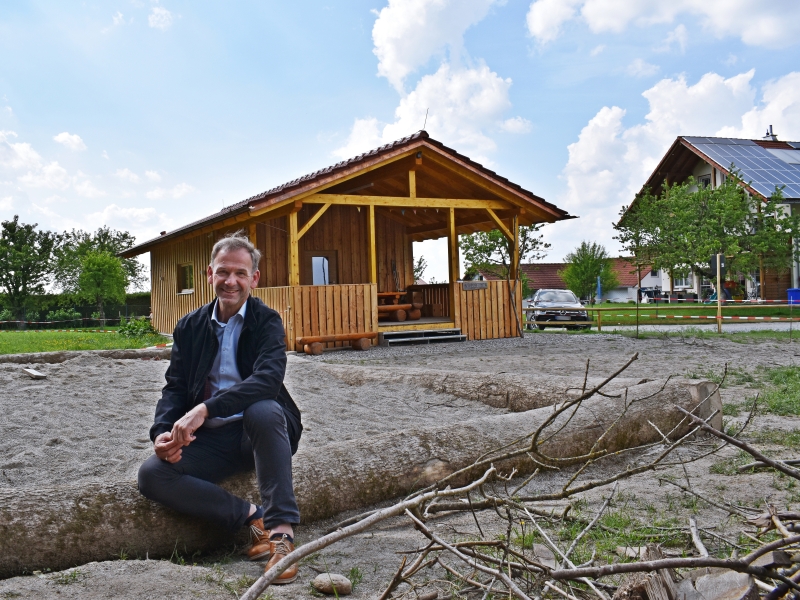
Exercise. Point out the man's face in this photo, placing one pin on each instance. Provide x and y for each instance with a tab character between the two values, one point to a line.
232	276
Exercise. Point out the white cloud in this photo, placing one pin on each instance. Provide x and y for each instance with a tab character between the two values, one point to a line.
461	104
178	191
87	189
152	175
679	36
18	155
6	203
50	176
545	18
104	155
779	107
71	140
597	50
407	33
609	162
118	18
772	24
127	175
159	18
516	125
641	68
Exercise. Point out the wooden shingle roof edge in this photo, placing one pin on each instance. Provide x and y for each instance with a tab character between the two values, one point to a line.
334	172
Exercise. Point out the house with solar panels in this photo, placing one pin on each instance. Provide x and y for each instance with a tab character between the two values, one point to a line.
762	164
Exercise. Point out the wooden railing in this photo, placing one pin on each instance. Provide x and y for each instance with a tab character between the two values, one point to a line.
331	309
487	313
279	299
434	293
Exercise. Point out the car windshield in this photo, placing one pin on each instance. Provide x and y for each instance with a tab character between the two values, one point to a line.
556	296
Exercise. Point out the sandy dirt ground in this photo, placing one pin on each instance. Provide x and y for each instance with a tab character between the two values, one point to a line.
88	421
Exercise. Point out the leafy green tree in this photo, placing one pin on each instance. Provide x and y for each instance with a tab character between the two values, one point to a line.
419	268
492	252
585	264
25	263
680	229
102	279
76	244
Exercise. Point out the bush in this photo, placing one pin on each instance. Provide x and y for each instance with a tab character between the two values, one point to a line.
64	317
6	315
136	327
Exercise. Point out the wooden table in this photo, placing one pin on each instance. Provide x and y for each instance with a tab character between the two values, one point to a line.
390	297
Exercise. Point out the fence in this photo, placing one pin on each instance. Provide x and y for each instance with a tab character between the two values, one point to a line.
73	317
650	312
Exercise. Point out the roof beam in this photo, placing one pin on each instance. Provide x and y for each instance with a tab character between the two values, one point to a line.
442	227
313	220
401	201
500	225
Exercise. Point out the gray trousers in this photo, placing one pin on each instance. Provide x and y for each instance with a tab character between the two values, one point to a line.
266	438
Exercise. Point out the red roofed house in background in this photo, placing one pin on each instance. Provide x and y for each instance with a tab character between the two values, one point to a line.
337	246
762	165
546	276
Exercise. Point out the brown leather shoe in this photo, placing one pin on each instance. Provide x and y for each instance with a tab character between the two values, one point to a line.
260	549
280	548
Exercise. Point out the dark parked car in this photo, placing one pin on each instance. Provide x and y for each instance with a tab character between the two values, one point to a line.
549	310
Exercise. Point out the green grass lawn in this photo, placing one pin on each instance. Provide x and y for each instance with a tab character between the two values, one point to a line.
19	342
650	314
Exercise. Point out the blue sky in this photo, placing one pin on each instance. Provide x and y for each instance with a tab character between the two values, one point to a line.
147	115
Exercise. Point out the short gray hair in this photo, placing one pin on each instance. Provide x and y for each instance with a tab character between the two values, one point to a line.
237	240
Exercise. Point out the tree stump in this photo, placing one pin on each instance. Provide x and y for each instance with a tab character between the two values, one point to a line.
361	344
315	348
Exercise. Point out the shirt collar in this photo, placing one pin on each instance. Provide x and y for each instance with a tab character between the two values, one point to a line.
242	311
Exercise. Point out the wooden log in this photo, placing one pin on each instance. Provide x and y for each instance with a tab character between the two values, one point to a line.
398	315
414	314
335	337
361	344
386	308
314	348
94	520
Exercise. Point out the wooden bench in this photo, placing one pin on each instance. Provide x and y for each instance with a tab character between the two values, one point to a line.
314	344
394	312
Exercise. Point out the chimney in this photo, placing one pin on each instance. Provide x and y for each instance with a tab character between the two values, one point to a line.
770	136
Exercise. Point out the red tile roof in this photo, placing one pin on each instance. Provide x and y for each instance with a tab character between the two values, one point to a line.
545	275
295	186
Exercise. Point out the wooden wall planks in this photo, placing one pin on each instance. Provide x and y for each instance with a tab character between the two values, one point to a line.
332	309
487	314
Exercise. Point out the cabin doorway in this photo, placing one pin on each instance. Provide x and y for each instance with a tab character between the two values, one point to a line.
320	268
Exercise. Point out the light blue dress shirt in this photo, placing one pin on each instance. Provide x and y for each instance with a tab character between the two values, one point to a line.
224	372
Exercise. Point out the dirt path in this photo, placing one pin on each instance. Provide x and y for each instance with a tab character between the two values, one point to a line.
90	418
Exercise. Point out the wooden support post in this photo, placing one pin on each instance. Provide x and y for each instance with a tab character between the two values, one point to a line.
373	258
452	246
453	263
719	295
251	233
294	250
412	184
599	320
515	249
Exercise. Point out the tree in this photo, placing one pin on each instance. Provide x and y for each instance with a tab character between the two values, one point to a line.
76	244
102	279
680	229
492	252
586	263
25	263
419	268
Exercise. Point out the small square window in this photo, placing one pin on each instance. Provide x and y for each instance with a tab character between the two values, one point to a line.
704	181
185	279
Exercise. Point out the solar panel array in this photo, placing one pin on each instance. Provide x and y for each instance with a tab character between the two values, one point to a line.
757	166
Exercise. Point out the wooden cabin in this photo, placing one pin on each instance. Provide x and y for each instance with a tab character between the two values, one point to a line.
337	245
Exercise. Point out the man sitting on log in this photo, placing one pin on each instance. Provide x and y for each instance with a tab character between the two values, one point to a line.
225	409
